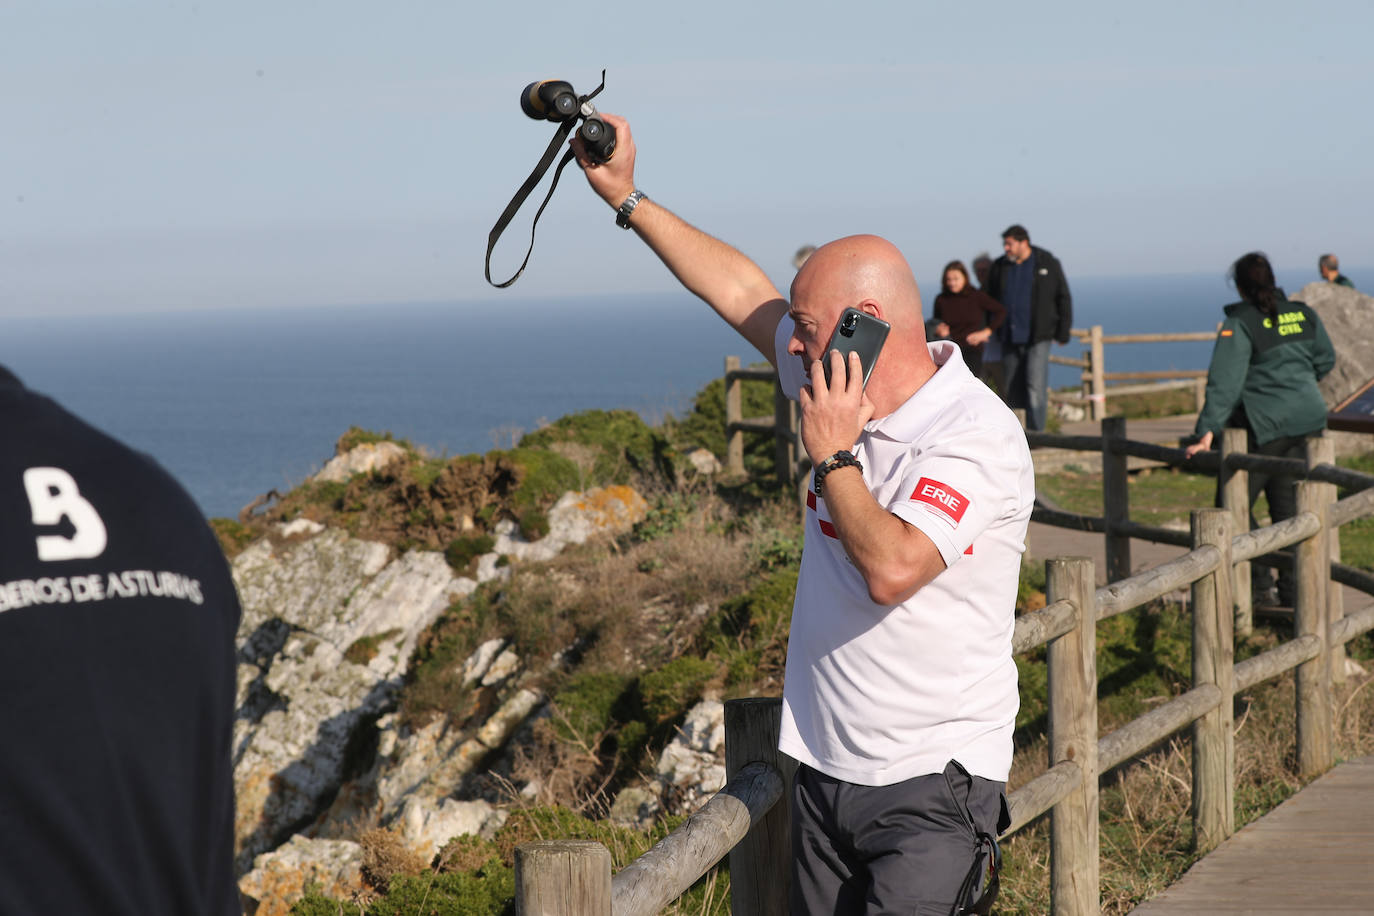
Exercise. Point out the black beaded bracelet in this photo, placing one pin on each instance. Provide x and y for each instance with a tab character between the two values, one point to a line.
842	459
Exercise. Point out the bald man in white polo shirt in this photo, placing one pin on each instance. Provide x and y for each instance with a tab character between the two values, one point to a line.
900	697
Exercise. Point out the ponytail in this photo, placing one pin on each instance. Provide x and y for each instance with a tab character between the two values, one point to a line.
1254	280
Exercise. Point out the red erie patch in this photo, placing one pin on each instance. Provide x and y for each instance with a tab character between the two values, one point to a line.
945	498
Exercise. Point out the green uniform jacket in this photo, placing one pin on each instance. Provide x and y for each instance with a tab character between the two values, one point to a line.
1271	368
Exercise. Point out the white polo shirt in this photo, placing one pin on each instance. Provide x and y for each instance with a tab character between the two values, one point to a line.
877	694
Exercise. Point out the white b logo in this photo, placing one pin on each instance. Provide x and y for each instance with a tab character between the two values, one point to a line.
53	494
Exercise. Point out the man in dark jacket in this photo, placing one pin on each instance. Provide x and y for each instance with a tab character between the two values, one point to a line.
1030	283
117	678
1330	269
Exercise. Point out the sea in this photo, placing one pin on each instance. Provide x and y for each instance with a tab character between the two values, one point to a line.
237	402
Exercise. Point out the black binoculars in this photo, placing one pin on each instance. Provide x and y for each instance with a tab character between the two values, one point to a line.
555	100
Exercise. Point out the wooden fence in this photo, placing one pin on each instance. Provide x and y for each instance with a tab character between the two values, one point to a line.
1095	390
745	819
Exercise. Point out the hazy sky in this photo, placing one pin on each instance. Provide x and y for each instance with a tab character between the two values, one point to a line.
161	155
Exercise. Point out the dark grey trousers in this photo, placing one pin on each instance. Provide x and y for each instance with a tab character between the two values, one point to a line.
899	849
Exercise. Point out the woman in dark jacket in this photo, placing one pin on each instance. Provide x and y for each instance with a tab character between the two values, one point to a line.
971	314
1269	355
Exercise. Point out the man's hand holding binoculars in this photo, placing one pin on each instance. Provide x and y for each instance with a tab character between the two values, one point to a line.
614	179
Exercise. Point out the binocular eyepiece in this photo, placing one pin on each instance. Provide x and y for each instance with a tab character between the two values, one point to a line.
555	100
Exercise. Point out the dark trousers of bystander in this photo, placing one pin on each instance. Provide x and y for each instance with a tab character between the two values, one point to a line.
899	849
1281	493
1026	370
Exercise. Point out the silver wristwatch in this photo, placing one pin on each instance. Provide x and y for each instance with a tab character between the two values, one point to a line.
622	215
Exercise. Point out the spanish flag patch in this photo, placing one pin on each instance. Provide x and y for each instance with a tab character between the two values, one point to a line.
1226	333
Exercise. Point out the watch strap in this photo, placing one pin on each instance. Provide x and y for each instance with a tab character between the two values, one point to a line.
622	213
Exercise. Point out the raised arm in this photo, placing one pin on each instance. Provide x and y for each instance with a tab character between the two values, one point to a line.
729	282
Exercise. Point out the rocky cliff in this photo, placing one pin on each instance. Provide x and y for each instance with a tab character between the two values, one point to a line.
323	748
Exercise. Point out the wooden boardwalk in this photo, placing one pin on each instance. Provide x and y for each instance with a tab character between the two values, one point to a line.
1312	854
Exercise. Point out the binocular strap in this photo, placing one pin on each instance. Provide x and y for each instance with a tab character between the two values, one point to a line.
559	137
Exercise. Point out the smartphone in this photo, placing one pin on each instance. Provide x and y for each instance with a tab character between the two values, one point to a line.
857	332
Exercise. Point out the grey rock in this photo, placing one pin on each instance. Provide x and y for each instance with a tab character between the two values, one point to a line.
479	662
370	456
703	461
1348	315
279	878
427	828
300	697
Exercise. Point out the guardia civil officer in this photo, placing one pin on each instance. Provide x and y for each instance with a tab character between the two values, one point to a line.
117	677
1269	355
899	699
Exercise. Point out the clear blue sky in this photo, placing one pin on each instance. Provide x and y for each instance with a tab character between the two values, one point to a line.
161	156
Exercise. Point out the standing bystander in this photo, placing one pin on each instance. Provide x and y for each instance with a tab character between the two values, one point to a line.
1030	282
117	678
1330	269
972	316
1269	355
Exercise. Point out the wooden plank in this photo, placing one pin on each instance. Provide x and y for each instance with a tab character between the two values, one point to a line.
750	374
1171	337
1214	761
1159	723
666	871
1042	793
1155	582
1315	721
1072	663
1039	627
1116	499
734	413
562	878
760	864
1312	854
1275	661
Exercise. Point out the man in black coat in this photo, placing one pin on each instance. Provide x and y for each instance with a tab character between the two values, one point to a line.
117	678
1029	282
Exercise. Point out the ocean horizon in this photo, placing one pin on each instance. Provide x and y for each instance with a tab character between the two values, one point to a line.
237	402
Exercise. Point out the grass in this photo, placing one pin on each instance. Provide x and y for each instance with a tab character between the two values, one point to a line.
1166	496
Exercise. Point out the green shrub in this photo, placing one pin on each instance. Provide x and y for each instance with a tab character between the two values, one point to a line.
462	552
749	633
364	649
327	494
618	444
670	691
704	425
587	703
232	536
357	436
544	478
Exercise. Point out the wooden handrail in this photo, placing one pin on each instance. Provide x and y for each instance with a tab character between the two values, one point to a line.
666	871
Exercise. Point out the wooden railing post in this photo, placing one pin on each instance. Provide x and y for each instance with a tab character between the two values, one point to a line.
784	431
1235	499
1098	395
1322	450
563	878
1072	669
734	413
1116	499
1313	571
761	864
1214	756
